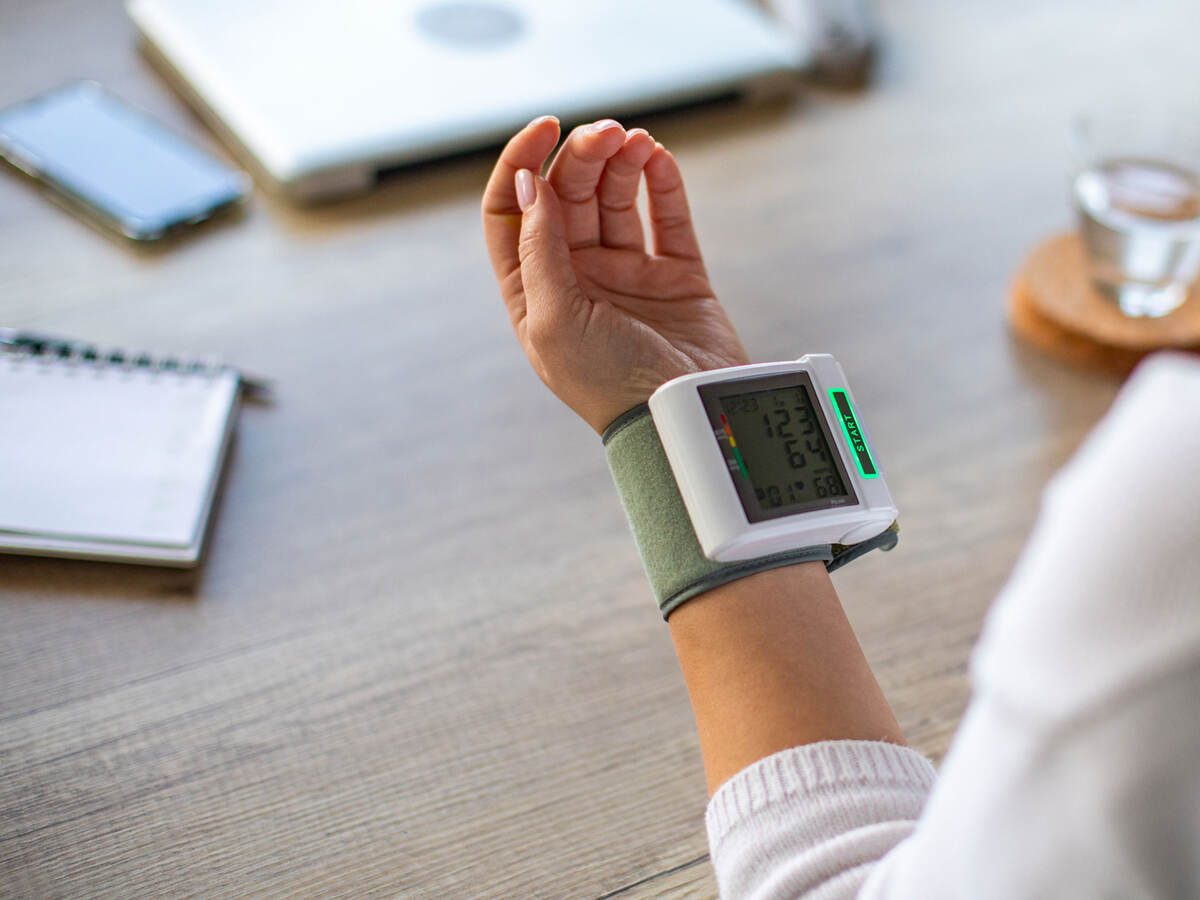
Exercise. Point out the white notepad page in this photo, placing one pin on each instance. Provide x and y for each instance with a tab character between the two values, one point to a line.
94	454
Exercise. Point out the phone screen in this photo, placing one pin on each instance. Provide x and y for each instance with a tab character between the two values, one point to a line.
117	161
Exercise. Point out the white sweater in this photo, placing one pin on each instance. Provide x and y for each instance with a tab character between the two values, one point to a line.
1076	770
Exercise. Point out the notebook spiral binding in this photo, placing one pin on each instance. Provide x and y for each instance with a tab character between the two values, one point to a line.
24	345
39	347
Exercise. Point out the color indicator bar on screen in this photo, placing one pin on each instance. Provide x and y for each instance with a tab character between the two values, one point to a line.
737	454
866	465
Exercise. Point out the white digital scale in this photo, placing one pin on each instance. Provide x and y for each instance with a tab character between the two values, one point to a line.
771	457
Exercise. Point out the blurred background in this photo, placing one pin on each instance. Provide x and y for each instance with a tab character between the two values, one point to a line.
420	656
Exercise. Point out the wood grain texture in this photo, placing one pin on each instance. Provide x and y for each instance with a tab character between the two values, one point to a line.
421	658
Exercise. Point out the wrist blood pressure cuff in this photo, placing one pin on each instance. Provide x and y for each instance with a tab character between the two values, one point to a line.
676	566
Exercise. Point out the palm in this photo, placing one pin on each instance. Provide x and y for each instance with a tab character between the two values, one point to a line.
659	313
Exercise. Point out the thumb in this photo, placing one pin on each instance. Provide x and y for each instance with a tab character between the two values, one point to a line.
548	275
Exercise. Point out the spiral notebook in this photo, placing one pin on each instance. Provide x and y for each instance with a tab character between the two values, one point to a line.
107	456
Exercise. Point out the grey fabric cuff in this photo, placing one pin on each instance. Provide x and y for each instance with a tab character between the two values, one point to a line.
676	566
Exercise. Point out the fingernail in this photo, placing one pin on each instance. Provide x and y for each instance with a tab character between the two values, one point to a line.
602	125
540	119
632	131
526	193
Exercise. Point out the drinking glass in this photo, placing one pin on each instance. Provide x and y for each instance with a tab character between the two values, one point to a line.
1136	186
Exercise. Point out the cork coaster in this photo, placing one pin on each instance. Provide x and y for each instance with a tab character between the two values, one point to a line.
1053	306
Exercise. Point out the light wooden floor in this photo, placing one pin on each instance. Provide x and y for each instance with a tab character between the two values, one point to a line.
421	659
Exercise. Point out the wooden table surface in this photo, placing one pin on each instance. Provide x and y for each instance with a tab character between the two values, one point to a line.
420	658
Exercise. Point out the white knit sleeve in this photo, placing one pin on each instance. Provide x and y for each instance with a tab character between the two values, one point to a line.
1074	772
813	820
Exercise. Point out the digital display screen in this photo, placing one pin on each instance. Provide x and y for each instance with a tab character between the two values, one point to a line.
777	446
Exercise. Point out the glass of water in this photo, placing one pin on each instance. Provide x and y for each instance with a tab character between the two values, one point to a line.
1137	193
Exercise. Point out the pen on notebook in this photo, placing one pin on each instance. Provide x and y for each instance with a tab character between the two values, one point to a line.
17	340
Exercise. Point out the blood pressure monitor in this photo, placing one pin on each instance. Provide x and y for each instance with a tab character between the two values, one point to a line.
772	457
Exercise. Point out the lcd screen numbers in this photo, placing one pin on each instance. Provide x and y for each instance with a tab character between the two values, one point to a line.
777	448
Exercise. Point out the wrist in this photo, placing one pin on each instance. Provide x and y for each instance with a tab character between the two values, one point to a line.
604	411
700	521
675	564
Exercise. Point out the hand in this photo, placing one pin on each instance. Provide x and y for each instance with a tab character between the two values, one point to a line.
602	322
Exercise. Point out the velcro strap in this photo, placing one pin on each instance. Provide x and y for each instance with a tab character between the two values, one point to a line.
675	564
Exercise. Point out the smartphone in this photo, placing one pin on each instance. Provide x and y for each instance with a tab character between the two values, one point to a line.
113	164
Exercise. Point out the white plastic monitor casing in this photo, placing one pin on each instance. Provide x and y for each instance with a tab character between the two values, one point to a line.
703	476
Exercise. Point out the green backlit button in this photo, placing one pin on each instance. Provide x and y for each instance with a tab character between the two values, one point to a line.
862	454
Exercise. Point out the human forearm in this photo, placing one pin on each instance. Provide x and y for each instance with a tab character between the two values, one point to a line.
771	662
770	659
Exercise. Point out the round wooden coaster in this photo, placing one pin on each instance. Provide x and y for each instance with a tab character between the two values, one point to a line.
1047	335
1056	280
